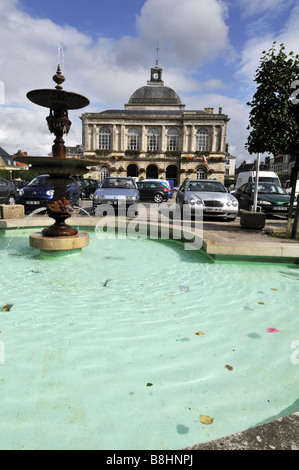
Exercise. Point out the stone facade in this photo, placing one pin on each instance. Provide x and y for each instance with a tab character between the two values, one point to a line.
154	136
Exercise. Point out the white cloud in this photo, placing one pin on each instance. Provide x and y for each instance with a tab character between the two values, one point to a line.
188	32
254	7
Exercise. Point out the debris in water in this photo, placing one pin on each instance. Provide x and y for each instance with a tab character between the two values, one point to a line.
149	384
274	289
200	333
185	288
6	308
272	330
106	282
204	419
229	367
261	303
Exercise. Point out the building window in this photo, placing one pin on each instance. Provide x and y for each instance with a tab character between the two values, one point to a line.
202	139
201	173
104	173
133	139
173	139
105	138
152	140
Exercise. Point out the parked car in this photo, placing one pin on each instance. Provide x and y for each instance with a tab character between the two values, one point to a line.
39	192
153	191
116	191
209	196
88	187
8	192
165	182
271	198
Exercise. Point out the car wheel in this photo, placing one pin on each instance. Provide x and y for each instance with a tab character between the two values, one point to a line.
158	198
11	200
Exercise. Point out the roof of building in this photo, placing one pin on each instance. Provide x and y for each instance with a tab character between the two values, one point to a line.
155	95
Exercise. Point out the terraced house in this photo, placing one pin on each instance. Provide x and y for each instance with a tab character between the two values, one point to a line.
154	136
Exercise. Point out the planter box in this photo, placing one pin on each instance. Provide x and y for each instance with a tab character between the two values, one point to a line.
253	220
14	211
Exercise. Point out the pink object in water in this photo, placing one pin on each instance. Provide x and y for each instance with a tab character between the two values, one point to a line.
272	330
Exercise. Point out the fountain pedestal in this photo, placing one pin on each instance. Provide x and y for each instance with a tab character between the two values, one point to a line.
41	242
59	236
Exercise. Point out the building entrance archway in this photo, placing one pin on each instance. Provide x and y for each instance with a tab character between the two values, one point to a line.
172	174
132	170
152	172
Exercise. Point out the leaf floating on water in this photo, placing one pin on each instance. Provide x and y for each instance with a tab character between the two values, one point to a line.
229	367
149	384
204	419
261	303
272	330
274	289
200	333
6	308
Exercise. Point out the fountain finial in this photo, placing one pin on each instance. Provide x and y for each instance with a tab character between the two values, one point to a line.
58	78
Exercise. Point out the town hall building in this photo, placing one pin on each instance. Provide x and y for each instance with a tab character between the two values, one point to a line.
154	136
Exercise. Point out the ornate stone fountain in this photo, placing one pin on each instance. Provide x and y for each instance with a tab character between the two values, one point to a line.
58	236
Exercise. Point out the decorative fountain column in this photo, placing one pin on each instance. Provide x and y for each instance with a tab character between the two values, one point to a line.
58	236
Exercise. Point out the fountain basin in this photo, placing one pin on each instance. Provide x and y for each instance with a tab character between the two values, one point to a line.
136	340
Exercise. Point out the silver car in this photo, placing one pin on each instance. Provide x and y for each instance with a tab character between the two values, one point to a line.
117	192
210	196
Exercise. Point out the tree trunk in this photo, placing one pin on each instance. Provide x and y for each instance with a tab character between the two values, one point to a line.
292	232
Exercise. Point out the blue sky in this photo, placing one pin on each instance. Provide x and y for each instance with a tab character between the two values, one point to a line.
209	51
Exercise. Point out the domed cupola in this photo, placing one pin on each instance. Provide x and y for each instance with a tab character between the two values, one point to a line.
155	95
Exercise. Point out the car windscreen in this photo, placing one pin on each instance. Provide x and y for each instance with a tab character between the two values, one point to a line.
40	181
118	183
206	187
270	188
268	179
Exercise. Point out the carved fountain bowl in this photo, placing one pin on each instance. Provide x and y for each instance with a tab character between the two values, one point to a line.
57	99
58	166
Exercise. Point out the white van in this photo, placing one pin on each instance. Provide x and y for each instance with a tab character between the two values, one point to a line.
264	177
287	186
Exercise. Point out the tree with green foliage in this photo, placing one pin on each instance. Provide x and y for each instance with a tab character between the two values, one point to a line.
274	118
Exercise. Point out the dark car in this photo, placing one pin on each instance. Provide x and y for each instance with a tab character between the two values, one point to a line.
8	192
271	198
39	192
152	191
88	187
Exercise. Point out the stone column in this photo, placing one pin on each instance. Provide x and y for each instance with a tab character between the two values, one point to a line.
95	144
163	140
213	139
143	140
122	138
114	142
192	143
184	139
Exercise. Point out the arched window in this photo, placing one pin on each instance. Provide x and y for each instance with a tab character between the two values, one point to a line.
202	139
152	139
201	173
104	173
133	139
173	139
105	138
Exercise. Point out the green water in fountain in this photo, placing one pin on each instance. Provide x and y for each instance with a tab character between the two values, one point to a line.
126	345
